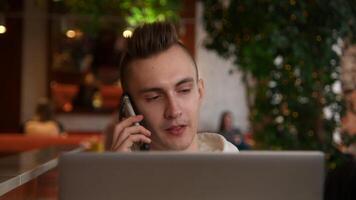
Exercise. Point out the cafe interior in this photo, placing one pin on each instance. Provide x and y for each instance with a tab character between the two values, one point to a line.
59	59
62	57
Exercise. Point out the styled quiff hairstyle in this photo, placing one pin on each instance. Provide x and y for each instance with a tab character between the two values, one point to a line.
149	40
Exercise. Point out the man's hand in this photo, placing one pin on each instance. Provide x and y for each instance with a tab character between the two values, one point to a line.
126	134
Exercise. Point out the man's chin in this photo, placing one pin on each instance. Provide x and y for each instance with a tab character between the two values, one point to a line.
178	141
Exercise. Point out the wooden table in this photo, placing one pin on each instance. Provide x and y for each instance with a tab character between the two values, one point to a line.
26	175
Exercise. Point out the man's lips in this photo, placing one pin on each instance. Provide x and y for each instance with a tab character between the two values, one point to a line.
176	130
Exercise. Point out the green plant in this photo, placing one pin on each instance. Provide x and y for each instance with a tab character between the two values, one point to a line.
288	53
129	13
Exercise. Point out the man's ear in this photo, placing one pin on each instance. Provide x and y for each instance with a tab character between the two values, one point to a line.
201	89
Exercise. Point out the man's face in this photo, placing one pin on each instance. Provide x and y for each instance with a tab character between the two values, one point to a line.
166	92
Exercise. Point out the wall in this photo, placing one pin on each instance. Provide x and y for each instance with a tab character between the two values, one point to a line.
10	68
35	52
223	91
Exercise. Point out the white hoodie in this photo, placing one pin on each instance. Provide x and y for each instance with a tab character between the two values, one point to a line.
213	142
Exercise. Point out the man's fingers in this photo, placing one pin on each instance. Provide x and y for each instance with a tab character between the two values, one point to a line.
124	132
128	122
123	124
130	140
135	139
132	130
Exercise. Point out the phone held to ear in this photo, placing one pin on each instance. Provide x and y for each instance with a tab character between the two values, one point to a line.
127	110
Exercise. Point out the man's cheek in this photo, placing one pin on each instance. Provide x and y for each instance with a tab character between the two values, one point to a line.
150	120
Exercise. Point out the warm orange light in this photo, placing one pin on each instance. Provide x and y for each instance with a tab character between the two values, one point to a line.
2	29
127	33
67	107
79	34
71	34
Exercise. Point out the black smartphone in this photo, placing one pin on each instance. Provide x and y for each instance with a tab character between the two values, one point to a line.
127	110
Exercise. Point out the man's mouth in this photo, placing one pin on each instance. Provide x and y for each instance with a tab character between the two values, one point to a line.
176	130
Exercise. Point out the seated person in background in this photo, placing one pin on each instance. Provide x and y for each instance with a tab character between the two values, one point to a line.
43	123
161	78
232	134
87	90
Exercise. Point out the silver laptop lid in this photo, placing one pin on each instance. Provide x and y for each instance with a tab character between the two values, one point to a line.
193	176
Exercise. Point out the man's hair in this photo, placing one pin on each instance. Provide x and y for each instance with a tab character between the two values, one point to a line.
149	40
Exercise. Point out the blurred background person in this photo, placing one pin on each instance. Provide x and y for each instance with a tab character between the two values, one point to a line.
231	133
88	88
348	78
43	123
340	181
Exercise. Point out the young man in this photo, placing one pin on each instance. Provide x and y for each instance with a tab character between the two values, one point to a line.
161	78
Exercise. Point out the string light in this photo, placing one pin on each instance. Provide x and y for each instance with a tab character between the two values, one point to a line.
2	29
127	33
71	33
97	100
279	119
287	67
293	130
295	114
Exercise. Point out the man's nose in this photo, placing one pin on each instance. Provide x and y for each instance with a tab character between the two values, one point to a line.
173	109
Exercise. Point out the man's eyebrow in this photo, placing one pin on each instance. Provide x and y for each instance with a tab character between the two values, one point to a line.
154	89
157	89
186	80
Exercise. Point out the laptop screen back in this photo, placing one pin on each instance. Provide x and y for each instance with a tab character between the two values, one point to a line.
194	176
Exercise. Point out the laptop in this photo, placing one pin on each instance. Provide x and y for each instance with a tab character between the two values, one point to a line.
255	175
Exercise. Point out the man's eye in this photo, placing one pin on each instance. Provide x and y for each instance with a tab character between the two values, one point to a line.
187	90
152	98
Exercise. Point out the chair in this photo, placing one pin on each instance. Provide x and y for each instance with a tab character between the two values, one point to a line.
63	95
110	95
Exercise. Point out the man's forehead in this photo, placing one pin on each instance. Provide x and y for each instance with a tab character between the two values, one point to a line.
163	70
172	57
172	61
